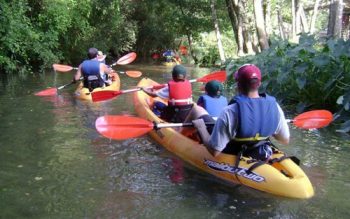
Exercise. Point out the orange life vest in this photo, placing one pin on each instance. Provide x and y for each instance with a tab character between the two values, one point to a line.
180	93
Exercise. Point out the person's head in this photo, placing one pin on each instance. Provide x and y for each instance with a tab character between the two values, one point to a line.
100	56
92	53
248	78
179	73
214	88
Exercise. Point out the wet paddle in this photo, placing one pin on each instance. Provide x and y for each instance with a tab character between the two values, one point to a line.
124	127
53	90
105	95
67	68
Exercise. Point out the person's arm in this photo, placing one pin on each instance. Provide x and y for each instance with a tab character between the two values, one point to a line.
221	135
77	75
149	91
282	133
200	101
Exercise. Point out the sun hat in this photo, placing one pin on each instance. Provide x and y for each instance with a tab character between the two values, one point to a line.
100	56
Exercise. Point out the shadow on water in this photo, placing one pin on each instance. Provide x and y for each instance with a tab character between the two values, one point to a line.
55	165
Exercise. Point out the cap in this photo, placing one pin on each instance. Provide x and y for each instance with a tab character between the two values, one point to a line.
212	88
249	76
179	70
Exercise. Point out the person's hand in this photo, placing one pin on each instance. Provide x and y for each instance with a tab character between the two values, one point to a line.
199	123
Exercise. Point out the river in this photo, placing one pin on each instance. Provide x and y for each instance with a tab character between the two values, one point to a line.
54	164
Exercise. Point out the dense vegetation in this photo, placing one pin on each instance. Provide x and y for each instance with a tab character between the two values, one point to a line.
313	71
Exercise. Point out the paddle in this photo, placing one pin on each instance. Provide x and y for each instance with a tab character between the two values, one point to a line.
53	90
128	58
67	68
124	127
105	95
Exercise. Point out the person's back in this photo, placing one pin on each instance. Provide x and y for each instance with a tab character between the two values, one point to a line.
213	101
246	125
91	70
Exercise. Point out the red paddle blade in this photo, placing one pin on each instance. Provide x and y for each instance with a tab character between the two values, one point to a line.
62	68
133	74
128	58
104	95
313	119
122	127
47	92
218	75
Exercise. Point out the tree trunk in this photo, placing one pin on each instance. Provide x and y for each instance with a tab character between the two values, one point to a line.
236	22
335	19
267	13
314	16
293	19
280	22
217	31
303	19
243	16
260	25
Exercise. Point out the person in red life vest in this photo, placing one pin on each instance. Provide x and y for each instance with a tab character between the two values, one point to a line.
213	101
179	95
91	70
245	125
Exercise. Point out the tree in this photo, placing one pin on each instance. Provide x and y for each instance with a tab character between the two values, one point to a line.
314	16
217	31
335	19
260	25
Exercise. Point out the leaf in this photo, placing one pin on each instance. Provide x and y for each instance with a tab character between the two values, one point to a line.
345	127
301	107
301	68
321	60
301	82
340	100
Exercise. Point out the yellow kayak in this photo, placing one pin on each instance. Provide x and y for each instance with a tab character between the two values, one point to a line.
83	93
282	177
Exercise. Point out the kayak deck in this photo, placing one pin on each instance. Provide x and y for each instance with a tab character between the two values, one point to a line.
283	177
83	93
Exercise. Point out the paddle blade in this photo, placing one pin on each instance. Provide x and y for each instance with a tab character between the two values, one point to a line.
218	75
313	119
62	68
133	74
104	95
122	127
128	58
47	92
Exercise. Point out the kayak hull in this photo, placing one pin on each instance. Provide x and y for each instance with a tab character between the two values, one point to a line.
83	93
284	178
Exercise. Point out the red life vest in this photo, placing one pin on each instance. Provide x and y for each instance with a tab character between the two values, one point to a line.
180	93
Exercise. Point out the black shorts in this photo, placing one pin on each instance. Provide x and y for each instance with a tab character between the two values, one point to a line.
176	113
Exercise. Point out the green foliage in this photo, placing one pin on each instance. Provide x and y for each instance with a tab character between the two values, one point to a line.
306	75
39	33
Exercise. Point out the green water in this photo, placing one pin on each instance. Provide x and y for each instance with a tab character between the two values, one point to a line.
53	164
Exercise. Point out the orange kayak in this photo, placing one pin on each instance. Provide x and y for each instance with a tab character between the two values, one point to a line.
83	93
282	177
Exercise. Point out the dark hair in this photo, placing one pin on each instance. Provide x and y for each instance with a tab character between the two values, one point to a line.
92	53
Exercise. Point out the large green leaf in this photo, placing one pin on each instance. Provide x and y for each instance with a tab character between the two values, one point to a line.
321	60
301	82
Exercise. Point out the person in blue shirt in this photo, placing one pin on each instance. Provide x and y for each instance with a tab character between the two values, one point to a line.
245	125
213	100
92	70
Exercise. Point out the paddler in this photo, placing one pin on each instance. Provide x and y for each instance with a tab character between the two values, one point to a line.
92	69
213	101
178	91
245	125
